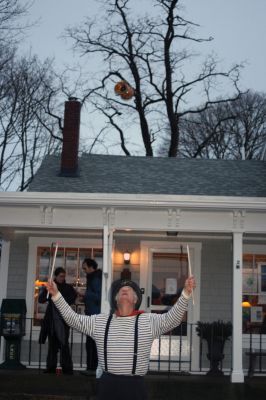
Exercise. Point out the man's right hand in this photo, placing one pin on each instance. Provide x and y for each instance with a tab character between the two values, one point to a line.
51	287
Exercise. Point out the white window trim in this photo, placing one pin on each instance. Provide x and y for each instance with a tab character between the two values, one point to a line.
3	282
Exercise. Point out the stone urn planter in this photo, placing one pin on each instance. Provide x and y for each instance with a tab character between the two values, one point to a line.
216	334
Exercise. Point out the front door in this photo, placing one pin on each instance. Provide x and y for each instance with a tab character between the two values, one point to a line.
164	269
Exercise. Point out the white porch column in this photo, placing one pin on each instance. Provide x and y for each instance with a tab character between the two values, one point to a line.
3	282
107	267
4	269
237	373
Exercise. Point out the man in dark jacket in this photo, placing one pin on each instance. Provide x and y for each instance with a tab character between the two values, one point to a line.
54	327
92	300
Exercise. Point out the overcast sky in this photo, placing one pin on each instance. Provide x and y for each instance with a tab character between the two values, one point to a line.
237	26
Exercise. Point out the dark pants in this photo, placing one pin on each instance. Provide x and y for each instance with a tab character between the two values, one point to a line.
121	387
92	358
65	358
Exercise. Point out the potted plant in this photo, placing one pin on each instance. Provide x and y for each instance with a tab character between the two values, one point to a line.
215	333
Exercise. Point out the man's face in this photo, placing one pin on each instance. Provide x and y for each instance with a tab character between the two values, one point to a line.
87	268
126	295
60	278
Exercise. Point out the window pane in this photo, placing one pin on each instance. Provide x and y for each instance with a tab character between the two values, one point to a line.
68	258
263	278
169	272
71	266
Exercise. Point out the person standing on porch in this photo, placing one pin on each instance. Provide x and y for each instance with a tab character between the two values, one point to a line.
92	300
124	337
55	328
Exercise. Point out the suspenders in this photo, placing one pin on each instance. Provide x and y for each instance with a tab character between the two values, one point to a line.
135	343
105	341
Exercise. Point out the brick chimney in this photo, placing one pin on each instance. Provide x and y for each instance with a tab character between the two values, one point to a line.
69	157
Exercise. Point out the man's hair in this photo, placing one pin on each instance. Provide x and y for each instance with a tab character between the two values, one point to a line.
90	263
59	270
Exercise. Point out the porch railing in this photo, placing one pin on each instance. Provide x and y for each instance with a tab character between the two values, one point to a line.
181	351
254	352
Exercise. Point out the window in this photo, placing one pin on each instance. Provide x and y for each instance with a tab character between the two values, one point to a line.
169	272
254	293
71	260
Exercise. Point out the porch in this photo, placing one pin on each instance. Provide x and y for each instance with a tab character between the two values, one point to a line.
30	384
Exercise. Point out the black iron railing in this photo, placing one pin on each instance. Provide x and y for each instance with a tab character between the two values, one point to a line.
254	352
181	351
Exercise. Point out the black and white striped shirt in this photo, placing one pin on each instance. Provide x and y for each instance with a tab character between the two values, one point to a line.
120	346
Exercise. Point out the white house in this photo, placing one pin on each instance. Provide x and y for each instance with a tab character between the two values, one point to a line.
154	208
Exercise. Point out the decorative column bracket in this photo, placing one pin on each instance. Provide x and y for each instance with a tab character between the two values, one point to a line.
47	215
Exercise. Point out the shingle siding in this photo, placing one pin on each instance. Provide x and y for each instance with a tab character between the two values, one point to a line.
216	280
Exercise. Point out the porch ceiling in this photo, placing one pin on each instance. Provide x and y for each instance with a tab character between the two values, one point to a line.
9	233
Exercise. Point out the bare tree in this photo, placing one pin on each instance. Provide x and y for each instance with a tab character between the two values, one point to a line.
234	130
150	54
24	135
11	25
27	131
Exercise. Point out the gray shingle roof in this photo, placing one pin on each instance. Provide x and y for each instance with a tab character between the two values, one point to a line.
151	175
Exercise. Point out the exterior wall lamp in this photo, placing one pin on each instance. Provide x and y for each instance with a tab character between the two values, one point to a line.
127	257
